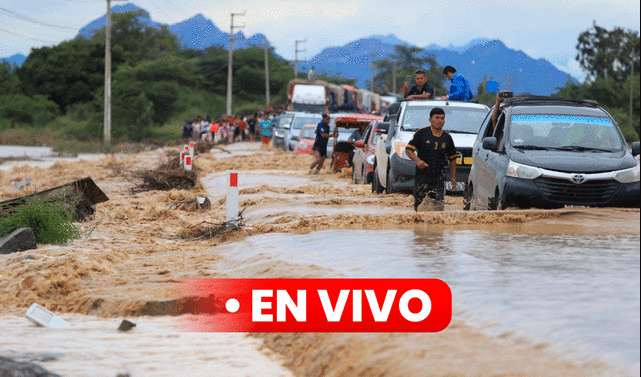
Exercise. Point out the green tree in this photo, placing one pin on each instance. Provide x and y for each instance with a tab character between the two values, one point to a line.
67	73
483	96
19	109
608	53
134	41
9	81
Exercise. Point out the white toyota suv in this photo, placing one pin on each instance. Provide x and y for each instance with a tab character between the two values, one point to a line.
394	171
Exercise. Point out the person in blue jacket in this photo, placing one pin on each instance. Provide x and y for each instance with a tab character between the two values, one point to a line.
460	89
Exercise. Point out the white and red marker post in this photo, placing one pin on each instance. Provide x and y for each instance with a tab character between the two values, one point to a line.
183	153
232	196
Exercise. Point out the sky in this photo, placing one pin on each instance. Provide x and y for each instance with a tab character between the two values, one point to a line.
545	29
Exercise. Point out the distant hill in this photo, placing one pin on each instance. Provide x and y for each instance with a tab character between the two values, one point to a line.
196	32
97	24
16	59
513	69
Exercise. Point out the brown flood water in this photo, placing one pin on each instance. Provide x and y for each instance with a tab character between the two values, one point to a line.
132	256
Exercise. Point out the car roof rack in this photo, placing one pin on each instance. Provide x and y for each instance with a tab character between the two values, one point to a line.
545	100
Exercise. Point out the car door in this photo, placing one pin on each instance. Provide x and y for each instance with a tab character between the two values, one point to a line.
495	171
478	173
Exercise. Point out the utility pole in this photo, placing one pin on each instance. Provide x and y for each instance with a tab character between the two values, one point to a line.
266	74
296	51
107	116
230	67
394	76
371	72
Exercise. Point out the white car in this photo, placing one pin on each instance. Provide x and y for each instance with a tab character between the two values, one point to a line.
394	171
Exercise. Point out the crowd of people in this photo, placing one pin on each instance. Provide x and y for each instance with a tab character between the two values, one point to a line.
228	129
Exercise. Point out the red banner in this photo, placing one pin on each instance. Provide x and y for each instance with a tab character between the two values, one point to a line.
316	305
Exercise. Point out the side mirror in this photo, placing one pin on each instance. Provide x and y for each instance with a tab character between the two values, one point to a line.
382	127
359	144
636	148
490	144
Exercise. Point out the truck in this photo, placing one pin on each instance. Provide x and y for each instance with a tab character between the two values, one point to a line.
313	96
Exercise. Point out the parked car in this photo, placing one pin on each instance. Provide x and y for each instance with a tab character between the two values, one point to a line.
394	171
364	155
306	140
281	129
293	133
549	152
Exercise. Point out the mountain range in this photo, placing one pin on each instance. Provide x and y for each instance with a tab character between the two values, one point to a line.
513	69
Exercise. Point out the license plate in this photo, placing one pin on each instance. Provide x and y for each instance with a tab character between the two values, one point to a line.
467	160
460	186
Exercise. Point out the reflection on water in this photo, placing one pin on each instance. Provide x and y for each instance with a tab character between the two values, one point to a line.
580	292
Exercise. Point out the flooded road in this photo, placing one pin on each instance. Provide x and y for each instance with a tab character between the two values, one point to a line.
536	293
580	292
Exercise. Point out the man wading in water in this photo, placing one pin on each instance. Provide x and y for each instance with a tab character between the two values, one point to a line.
434	147
320	144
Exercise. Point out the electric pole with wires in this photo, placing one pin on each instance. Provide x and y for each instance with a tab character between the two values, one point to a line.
107	116
230	68
296	51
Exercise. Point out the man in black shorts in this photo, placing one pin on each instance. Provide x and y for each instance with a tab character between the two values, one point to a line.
422	90
320	144
430	149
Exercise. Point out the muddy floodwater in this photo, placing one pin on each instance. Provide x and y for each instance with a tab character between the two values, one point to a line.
535	292
580	292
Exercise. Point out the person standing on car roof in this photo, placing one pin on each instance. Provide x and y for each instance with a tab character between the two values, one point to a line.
460	89
431	148
320	144
421	90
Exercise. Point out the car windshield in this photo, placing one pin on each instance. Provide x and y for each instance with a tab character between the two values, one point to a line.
299	122
457	120
285	121
565	132
308	133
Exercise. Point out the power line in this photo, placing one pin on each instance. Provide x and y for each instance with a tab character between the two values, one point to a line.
23	36
33	20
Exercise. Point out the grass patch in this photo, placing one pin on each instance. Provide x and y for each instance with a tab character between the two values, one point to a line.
50	221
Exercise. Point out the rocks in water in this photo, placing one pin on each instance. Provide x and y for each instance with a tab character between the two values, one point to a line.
12	368
19	240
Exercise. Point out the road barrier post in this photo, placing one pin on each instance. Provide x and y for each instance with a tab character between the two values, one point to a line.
232	196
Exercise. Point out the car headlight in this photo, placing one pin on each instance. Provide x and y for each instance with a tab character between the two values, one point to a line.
628	175
517	170
399	148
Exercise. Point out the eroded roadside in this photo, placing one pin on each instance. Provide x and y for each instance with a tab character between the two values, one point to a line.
133	257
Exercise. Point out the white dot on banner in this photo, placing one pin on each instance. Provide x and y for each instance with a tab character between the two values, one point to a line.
232	305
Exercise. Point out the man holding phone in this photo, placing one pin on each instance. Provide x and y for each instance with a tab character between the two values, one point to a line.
500	96
421	90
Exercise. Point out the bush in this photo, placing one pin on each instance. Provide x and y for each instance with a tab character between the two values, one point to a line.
50	221
19	109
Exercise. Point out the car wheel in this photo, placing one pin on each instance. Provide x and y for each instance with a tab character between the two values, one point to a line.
467	197
389	188
376	183
497	203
